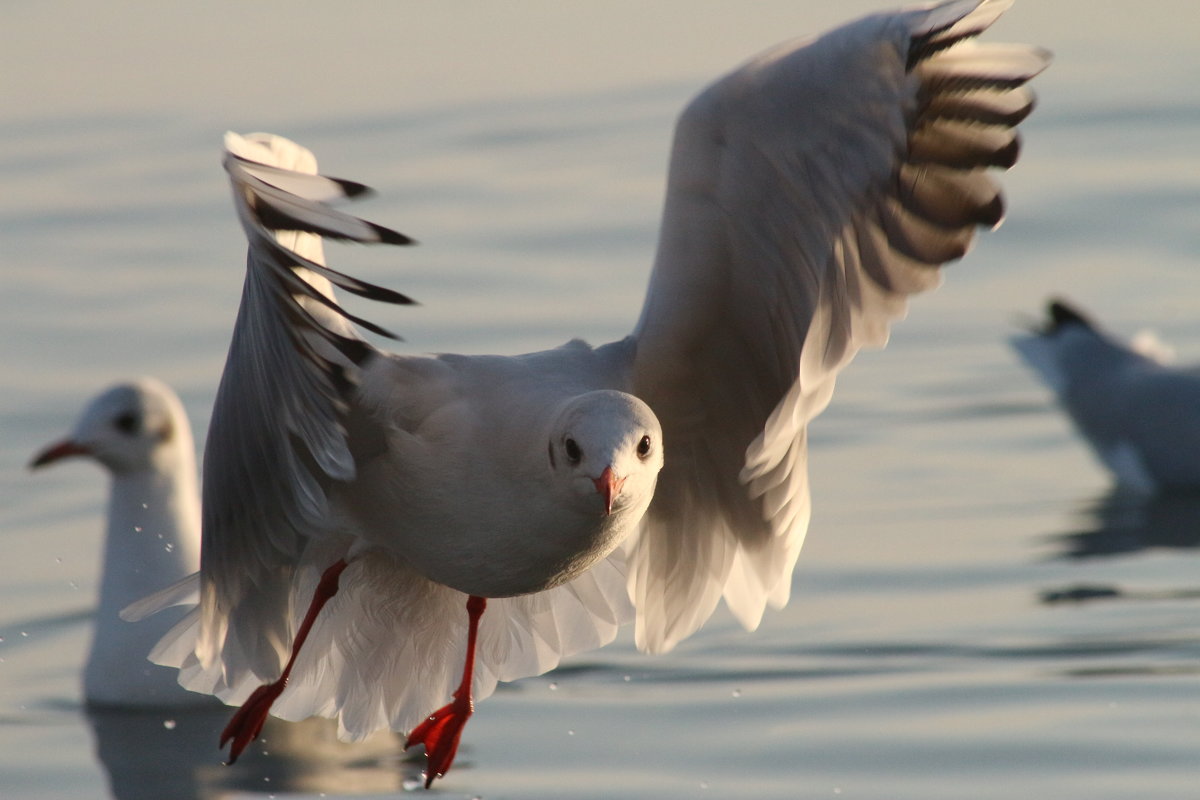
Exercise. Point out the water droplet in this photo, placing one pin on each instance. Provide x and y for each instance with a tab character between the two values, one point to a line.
1	639
73	585
412	784
137	528
627	679
570	733
24	634
737	692
145	505
169	724
703	784
58	559
169	547
553	686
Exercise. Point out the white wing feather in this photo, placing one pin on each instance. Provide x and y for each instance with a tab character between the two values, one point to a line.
389	646
811	191
386	648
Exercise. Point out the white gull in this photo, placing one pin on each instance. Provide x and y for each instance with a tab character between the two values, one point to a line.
356	501
138	431
1139	414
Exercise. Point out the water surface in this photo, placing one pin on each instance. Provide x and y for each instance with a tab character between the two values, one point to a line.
974	615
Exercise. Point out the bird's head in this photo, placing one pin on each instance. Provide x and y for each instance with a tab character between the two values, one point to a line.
607	447
127	428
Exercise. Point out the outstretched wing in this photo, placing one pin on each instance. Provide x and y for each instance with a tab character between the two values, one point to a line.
278	434
811	191
284	434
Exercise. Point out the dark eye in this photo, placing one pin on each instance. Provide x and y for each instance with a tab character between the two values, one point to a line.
573	451
643	448
127	423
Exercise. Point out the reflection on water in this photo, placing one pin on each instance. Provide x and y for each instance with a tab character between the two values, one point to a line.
1120	523
1117	526
156	755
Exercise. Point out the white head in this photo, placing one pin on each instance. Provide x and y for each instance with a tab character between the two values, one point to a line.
607	447
131	427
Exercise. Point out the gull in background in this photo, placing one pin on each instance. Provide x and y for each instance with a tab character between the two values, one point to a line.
138	431
1139	414
383	532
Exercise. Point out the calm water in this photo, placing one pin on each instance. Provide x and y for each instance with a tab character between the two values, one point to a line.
921	656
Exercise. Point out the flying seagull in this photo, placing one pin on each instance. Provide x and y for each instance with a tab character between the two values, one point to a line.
362	509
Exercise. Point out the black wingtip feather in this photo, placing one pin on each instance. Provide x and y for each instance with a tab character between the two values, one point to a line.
352	189
389	236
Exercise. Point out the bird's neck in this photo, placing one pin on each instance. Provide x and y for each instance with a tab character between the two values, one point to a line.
152	540
153	534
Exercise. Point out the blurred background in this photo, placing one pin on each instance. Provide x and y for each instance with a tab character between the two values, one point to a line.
975	613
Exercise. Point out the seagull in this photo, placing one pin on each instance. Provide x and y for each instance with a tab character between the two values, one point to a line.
139	433
1139	414
382	532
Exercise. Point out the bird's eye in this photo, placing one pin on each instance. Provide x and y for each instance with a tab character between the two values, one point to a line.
574	454
127	423
643	447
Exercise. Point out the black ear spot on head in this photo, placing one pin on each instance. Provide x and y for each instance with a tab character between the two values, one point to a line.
127	423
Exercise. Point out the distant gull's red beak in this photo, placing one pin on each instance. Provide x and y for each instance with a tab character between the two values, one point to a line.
56	451
609	486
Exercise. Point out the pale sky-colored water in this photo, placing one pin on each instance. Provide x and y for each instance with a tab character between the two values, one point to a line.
525	146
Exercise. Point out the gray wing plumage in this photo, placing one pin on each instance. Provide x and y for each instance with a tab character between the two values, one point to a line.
278	434
811	191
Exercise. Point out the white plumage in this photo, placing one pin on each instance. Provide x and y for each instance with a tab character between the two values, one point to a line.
138	431
810	192
1139	414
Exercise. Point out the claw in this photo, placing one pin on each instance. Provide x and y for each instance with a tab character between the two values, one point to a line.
245	725
442	729
440	733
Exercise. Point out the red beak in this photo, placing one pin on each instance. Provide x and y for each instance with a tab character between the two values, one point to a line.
609	486
56	451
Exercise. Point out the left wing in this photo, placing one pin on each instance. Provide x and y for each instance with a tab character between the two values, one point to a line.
811	191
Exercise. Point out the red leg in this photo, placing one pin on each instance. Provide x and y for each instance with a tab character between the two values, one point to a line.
443	728
247	723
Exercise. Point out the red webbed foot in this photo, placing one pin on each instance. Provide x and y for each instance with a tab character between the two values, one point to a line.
247	723
440	734
442	729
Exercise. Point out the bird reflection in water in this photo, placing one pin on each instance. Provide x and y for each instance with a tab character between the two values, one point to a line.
1124	523
151	755
1121	523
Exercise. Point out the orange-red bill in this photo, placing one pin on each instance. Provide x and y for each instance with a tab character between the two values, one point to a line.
609	486
54	452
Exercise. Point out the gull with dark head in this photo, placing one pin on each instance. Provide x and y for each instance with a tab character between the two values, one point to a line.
356	501
1139	413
